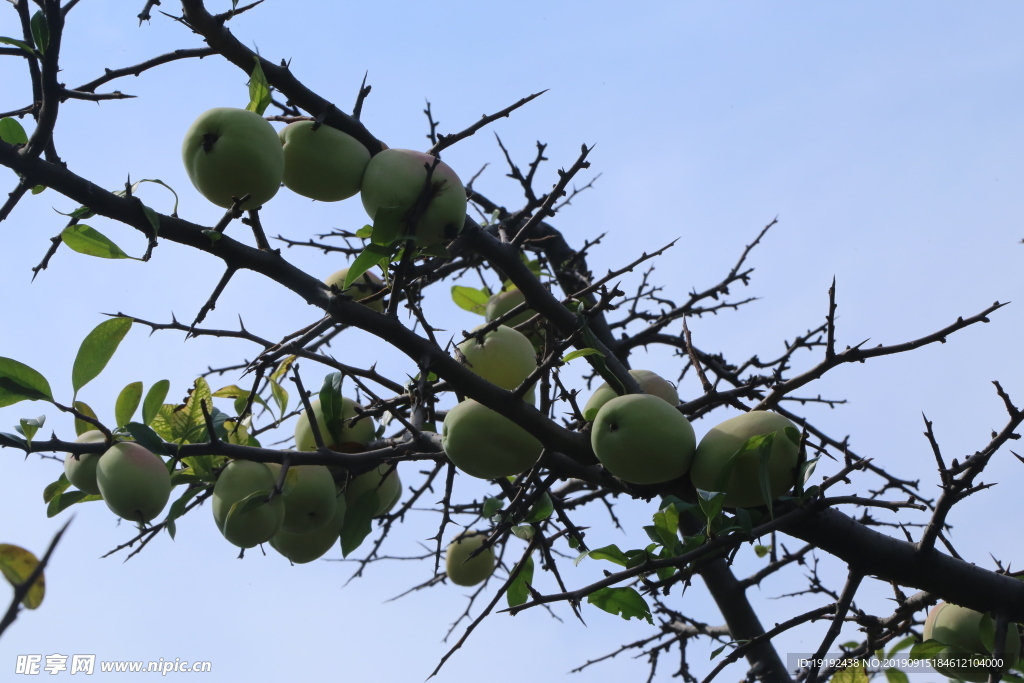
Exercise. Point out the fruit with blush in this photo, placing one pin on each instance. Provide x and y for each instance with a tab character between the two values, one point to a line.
134	483
81	470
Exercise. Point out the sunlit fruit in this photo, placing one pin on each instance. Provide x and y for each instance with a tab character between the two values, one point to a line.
962	629
306	547
309	497
504	356
134	483
321	162
363	286
650	382
743	486
394	180
388	489
236	483
463	571
486	444
229	153
641	439
81	471
353	433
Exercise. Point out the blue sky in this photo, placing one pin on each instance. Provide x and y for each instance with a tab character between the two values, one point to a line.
886	137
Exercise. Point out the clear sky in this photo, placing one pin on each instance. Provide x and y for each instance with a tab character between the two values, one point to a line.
888	139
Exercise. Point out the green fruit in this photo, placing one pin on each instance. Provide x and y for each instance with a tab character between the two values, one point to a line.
394	180
642	439
504	357
322	163
388	492
354	435
961	629
503	302
134	483
650	382
81	471
309	497
237	482
743	488
233	152
303	548
484	444
463	571
363	286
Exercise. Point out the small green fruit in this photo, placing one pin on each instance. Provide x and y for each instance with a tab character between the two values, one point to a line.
81	471
322	163
394	180
363	286
303	548
388	489
485	444
233	152
354	434
134	483
961	629
309	497
503	302
463	571
650	382
743	488
642	439
239	480
504	357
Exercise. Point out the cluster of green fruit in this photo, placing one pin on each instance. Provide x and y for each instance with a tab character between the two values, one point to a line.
230	153
643	439
967	634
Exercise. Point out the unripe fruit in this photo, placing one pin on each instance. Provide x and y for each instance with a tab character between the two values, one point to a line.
504	357
463	571
650	382
363	286
353	435
743	488
134	483
322	163
81	471
961	627
503	302
303	548
642	439
394	180
237	481
233	152
309	497
485	444
388	492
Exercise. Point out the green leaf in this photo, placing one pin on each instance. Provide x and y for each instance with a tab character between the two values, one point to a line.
368	258
19	382
853	673
280	395
154	399
388	224
259	89
710	505
470	299
127	403
19	44
178	508
30	427
580	353
331	405
762	550
523	531
97	349
11	130
153	217
85	240
927	649
609	552
145	436
12	441
793	434
518	591
491	507
625	602
896	676
356	526
902	645
56	488
364	231
40	31
38	188
83	426
541	510
63	501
